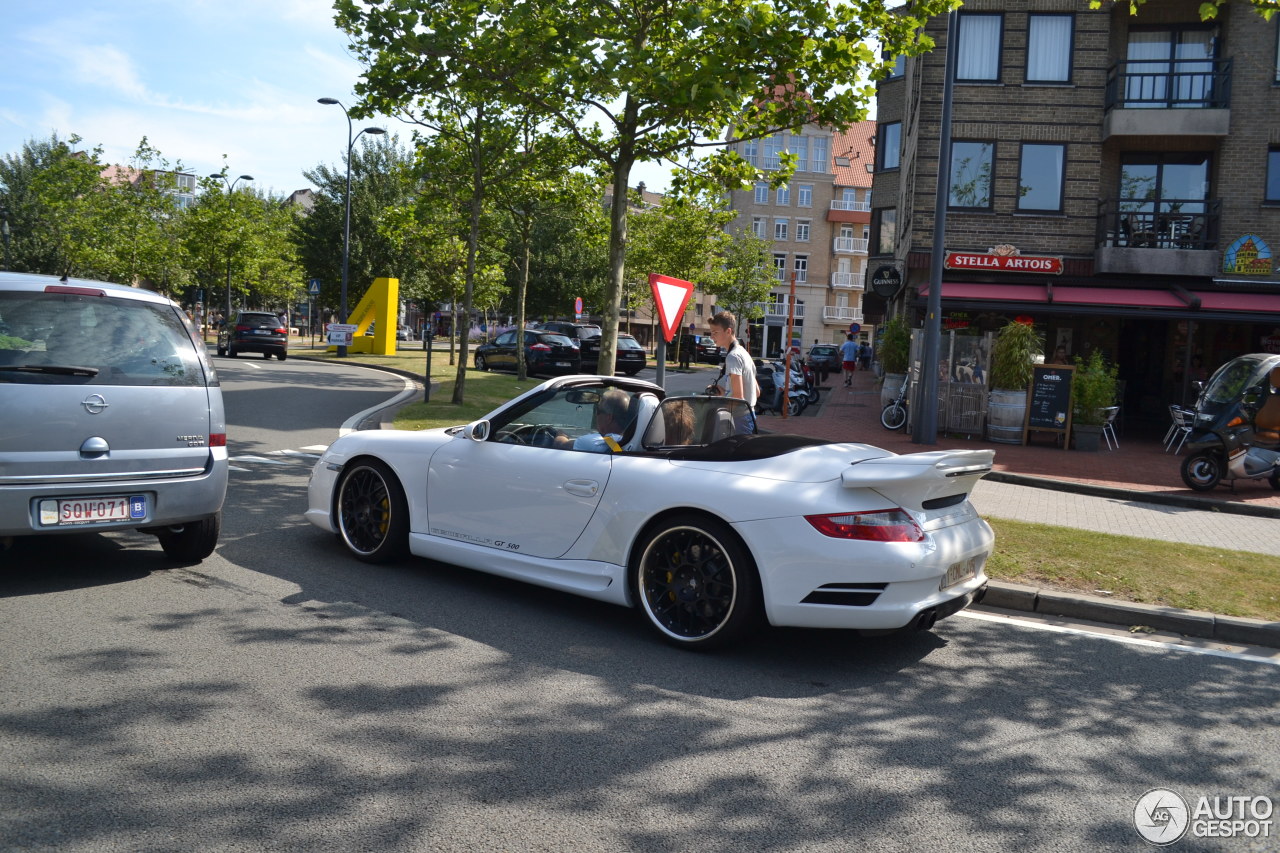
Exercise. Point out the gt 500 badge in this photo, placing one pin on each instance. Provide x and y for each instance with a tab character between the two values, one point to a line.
476	540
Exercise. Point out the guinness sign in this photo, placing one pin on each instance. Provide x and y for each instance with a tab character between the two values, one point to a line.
886	281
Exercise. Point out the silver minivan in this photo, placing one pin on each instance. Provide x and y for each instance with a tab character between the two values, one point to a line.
111	416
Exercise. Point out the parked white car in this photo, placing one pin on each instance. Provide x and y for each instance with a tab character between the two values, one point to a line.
703	530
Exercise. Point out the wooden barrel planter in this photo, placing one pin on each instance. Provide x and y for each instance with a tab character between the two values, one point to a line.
1006	411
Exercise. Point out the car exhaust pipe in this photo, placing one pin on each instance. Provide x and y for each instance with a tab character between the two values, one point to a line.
926	619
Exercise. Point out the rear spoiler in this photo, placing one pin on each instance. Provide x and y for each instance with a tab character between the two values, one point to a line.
935	470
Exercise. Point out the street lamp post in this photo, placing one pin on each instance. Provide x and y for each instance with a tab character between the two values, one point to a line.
346	216
231	188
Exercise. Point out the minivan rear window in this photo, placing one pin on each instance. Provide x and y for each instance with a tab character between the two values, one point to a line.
73	339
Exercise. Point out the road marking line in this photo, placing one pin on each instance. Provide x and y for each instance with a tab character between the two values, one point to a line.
318	448
1133	641
261	459
293	454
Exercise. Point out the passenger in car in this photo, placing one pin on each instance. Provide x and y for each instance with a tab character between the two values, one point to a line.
611	422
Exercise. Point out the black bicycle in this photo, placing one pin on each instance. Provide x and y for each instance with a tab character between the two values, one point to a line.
894	415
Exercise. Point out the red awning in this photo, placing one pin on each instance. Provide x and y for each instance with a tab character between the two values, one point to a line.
1261	303
992	292
1118	297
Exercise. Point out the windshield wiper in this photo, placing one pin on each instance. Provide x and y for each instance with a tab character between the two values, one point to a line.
62	369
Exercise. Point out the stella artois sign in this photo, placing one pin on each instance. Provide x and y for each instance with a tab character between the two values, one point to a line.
1003	258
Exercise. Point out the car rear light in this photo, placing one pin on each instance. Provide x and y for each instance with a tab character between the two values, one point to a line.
886	525
281	331
539	348
217	439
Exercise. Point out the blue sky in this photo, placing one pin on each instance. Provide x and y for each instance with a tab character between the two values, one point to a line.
199	78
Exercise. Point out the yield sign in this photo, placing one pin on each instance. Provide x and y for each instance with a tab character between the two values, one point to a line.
671	295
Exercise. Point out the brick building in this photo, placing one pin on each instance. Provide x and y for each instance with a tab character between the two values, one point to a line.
817	225
1115	178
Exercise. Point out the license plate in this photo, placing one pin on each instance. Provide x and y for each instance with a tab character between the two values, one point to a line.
92	510
960	572
562	364
261	332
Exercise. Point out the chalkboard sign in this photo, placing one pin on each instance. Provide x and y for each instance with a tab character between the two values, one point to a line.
1049	401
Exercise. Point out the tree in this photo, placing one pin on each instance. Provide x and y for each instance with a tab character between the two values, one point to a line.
144	213
31	249
660	79
744	277
76	211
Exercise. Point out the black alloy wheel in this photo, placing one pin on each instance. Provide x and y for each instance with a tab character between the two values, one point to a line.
373	516
696	584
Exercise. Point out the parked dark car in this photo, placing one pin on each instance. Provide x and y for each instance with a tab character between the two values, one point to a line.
544	353
577	332
630	358
825	358
254	331
707	351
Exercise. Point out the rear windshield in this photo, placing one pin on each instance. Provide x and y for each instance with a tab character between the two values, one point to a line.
628	343
262	320
71	339
555	340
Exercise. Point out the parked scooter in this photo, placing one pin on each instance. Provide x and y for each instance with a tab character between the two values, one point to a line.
770	373
1236	433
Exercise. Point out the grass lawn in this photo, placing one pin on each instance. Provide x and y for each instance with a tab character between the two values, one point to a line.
1232	583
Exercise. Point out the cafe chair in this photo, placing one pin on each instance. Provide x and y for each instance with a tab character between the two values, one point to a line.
1182	419
1109	427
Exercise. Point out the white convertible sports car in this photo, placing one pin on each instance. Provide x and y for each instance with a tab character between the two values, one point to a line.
704	531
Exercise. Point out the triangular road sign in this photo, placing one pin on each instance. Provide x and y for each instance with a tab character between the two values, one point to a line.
671	295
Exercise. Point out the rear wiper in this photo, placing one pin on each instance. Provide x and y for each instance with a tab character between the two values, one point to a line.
63	369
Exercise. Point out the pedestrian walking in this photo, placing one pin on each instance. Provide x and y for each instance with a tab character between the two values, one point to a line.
849	359
864	356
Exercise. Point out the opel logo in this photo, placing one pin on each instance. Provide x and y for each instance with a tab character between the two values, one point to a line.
94	403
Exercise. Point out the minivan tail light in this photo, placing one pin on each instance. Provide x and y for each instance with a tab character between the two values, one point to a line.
886	525
75	291
217	439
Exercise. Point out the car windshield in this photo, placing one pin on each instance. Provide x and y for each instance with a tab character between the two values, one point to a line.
555	340
822	351
262	320
1231	381
58	338
566	412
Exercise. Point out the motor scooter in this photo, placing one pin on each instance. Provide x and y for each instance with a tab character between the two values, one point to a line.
1235	434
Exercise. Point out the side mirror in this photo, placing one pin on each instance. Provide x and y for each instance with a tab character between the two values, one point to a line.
478	431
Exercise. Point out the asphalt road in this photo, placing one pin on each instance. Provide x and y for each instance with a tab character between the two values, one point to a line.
280	696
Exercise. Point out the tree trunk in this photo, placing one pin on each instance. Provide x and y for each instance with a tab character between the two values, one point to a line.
522	290
618	238
473	247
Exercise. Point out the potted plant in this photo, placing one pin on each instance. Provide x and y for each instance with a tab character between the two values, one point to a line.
895	357
1012	353
1093	389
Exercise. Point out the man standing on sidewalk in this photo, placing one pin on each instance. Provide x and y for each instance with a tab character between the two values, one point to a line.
849	355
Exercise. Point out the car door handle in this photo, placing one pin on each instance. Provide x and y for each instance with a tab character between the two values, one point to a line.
582	488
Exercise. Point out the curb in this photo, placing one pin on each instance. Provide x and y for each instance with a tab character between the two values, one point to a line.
1189	623
1163	498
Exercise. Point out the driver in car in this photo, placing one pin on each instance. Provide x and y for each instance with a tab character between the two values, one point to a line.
611	421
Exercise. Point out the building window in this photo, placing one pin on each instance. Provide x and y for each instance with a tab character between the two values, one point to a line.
784	195
978	58
1163	196
848	194
802	230
1040	177
758	226
772	151
1049	39
804	195
971	169
762	193
889	145
780	265
799	146
818	157
1273	176
1170	67
899	67
779	229
802	268
751	151
884	225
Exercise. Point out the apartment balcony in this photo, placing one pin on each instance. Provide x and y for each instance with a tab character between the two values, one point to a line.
1171	237
1156	97
841	314
779	310
860	206
850	246
848	280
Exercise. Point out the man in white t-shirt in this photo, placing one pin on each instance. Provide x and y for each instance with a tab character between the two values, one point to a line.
739	367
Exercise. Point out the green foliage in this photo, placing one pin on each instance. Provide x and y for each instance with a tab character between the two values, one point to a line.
1093	388
895	345
1012	354
685	240
744	277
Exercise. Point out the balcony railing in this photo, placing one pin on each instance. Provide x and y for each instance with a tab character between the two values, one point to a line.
1164	224
847	280
779	309
1163	84
840	204
841	314
850	245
